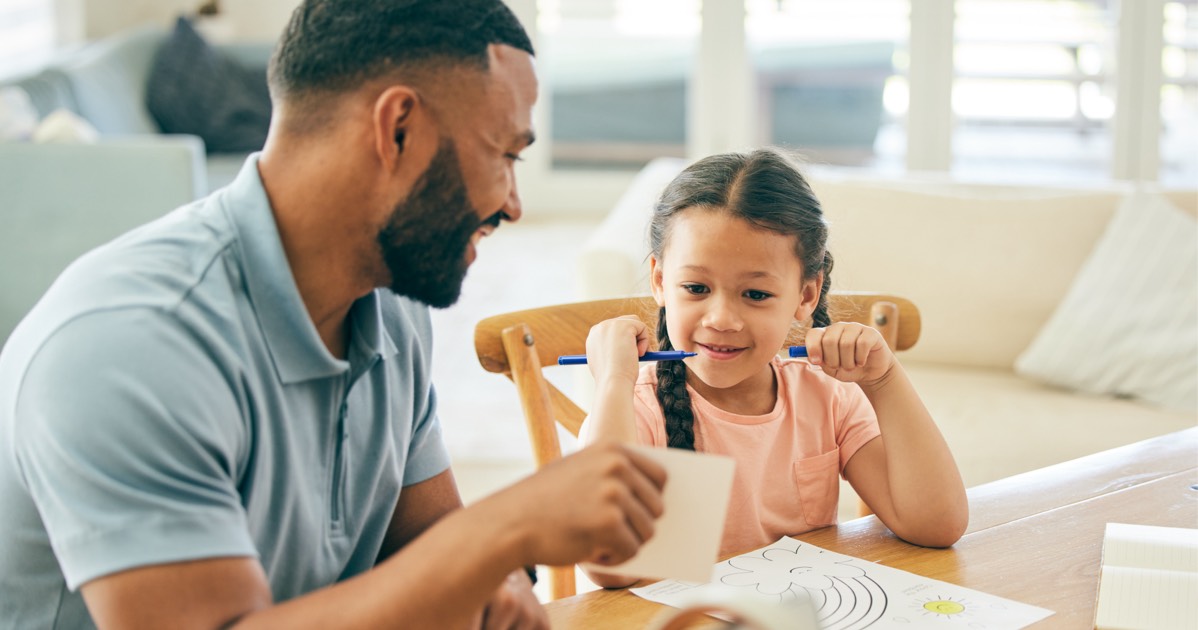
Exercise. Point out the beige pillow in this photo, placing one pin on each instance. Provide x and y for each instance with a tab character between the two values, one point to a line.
1129	324
985	265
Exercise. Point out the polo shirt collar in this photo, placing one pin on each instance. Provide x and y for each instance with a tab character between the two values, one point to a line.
291	338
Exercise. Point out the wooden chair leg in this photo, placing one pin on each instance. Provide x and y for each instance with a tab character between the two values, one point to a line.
519	344
525	372
561	582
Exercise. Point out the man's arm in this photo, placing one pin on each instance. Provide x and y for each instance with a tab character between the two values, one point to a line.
513	604
419	506
599	503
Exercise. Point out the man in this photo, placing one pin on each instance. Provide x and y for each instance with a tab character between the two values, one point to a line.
219	420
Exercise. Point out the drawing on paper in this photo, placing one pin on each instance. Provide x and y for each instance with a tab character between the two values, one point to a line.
843	595
851	593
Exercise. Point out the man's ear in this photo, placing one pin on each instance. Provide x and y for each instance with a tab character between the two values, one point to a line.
809	297
398	112
655	281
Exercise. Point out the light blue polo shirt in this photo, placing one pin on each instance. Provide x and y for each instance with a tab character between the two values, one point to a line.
169	399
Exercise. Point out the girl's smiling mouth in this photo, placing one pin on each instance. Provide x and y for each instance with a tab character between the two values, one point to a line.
719	352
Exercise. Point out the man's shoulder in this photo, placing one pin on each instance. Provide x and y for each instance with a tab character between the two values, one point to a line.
159	265
164	278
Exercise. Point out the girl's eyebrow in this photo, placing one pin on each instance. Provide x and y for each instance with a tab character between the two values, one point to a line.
748	274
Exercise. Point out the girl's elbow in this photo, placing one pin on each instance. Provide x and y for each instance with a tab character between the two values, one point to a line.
609	580
943	531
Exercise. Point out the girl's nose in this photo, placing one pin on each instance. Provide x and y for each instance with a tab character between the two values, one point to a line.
722	315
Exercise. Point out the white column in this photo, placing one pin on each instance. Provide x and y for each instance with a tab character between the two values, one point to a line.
70	27
537	158
722	88
1137	123
930	112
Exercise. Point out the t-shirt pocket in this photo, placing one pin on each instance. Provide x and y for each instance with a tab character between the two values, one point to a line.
818	480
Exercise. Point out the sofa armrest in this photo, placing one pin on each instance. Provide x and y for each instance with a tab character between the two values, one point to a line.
58	201
614	260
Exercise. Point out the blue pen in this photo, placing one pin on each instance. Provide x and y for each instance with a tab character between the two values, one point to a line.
798	351
671	355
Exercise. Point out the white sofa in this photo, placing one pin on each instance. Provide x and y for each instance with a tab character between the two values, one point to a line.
987	266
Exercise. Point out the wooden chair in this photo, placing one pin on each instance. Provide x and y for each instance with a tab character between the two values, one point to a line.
521	343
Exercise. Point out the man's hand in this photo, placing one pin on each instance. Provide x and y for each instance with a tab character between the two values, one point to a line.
597	505
514	606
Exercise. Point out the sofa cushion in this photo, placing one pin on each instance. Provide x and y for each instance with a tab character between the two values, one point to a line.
48	90
985	266
1129	323
108	82
195	89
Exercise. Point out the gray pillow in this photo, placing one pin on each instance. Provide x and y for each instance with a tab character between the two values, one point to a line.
194	89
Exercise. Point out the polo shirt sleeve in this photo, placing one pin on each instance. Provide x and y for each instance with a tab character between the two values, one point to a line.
128	435
427	455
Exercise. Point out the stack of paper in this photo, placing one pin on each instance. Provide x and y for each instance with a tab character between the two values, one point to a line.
1149	578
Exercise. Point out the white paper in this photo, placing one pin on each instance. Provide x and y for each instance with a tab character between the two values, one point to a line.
850	593
1149	578
686	539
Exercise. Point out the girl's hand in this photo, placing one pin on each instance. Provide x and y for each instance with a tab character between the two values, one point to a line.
850	352
615	346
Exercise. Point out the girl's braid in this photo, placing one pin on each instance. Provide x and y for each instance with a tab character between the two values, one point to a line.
672	394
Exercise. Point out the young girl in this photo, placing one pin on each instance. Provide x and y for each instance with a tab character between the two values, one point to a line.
737	257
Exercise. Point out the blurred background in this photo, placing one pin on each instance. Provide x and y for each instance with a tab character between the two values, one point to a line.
1003	91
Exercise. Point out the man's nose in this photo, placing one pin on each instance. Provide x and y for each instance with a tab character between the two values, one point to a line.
512	206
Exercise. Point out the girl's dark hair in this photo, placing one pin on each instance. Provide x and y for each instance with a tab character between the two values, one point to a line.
336	45
765	188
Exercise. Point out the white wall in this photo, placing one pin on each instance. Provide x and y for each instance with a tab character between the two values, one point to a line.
102	18
245	20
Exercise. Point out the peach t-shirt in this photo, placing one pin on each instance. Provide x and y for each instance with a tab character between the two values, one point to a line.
788	461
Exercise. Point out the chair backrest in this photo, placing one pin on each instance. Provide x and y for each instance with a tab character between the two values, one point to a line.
521	343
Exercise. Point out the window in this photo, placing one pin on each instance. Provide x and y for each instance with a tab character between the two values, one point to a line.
828	78
618	74
27	33
1179	94
1033	90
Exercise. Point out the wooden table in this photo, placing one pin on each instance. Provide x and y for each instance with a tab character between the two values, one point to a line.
1034	538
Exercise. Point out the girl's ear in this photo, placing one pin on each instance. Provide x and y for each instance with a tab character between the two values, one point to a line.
655	281
809	297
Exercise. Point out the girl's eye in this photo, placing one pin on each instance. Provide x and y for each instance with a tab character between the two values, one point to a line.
757	296
694	289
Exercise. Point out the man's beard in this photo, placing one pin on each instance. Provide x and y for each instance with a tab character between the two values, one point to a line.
424	242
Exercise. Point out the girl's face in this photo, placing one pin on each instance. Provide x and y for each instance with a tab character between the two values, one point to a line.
731	292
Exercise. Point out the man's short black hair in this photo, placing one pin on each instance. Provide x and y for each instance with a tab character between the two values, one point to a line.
336	45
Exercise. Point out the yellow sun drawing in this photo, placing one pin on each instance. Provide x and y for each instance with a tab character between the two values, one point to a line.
944	607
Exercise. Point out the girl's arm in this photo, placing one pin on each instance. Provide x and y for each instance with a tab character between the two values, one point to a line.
613	349
907	475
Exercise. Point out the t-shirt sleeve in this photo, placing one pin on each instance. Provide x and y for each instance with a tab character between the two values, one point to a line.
856	421
650	422
129	437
